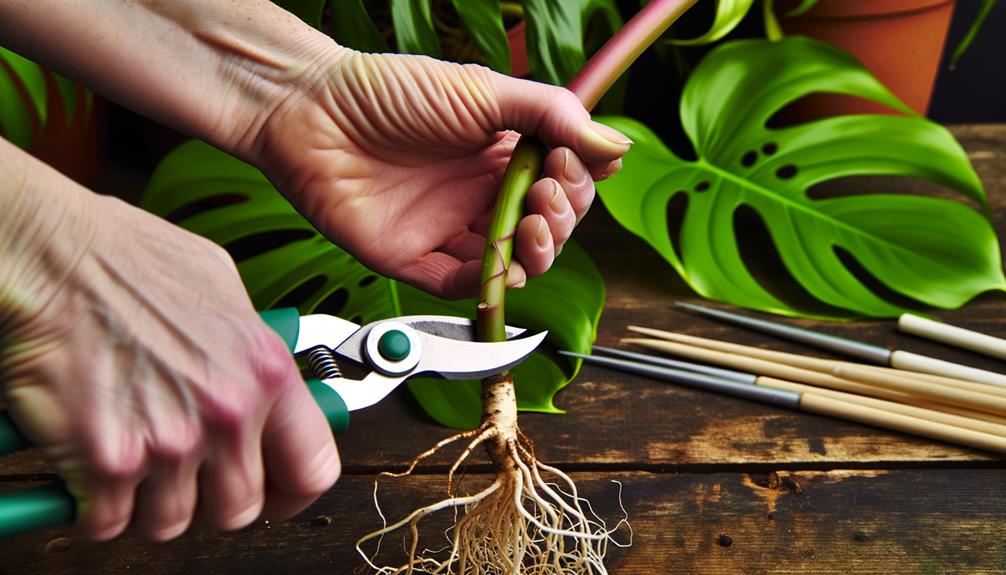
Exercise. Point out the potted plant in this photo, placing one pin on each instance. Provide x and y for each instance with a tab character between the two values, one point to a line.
939	251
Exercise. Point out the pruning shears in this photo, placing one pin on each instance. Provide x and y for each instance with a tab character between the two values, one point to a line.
387	352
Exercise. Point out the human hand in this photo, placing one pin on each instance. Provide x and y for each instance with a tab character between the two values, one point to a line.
133	358
398	159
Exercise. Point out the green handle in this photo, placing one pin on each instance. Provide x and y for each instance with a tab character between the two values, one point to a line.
11	439
33	509
52	505
331	405
284	321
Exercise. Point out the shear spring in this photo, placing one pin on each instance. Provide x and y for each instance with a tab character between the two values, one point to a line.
321	361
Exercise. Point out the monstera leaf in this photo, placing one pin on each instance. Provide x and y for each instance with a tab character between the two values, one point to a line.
937	251
285	262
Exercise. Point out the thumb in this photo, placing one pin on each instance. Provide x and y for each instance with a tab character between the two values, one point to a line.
556	116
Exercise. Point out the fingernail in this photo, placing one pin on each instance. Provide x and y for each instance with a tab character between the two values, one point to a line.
612	169
572	169
611	135
558	203
542	236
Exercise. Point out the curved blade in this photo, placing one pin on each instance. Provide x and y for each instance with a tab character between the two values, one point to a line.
457	328
444	327
453	359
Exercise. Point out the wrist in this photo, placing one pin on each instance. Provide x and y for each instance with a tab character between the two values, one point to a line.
45	229
264	88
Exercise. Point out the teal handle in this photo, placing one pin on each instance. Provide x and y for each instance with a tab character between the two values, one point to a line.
331	405
52	505
33	509
284	321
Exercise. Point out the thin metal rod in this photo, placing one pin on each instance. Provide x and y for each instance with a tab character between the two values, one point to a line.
778	397
859	349
729	374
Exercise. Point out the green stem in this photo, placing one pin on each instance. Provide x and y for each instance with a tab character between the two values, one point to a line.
525	164
522	171
589	85
773	31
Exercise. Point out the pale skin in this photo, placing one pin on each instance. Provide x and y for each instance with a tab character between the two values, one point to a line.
132	355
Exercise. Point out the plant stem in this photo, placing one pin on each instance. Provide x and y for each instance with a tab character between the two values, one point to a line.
772	29
525	164
611	61
523	169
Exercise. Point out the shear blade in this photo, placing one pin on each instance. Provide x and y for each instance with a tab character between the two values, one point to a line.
453	359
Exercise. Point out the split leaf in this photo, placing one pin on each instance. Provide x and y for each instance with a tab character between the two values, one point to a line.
936	251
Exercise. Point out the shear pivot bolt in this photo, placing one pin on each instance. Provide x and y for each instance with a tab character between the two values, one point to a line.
394	345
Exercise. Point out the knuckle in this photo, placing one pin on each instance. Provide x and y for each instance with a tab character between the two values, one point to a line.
273	364
177	446
119	467
563	97
229	417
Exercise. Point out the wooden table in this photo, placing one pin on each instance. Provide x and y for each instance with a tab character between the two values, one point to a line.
711	484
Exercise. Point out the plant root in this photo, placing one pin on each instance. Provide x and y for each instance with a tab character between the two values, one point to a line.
520	523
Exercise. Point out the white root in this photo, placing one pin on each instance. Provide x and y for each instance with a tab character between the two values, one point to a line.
518	524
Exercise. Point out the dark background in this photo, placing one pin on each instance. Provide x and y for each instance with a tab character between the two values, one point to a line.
973	92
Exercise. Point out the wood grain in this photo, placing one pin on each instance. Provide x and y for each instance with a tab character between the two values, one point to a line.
840	521
794	493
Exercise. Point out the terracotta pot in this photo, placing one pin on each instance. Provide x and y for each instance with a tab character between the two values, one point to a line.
899	41
519	66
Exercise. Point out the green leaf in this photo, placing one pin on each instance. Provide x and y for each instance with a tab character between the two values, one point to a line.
972	32
309	11
802	8
352	27
937	251
16	114
68	95
484	21
554	34
414	30
729	14
285	262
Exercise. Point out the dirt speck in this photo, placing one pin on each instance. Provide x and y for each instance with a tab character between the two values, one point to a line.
322	521
725	540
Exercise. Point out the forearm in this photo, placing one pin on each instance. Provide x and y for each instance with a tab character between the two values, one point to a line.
44	230
211	68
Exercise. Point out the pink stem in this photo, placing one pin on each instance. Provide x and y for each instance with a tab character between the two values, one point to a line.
623	48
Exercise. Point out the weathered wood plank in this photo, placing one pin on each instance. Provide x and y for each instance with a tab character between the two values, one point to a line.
850	522
616	419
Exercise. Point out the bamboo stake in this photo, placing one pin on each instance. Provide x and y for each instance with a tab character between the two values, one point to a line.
816	363
837	380
880	418
891	406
